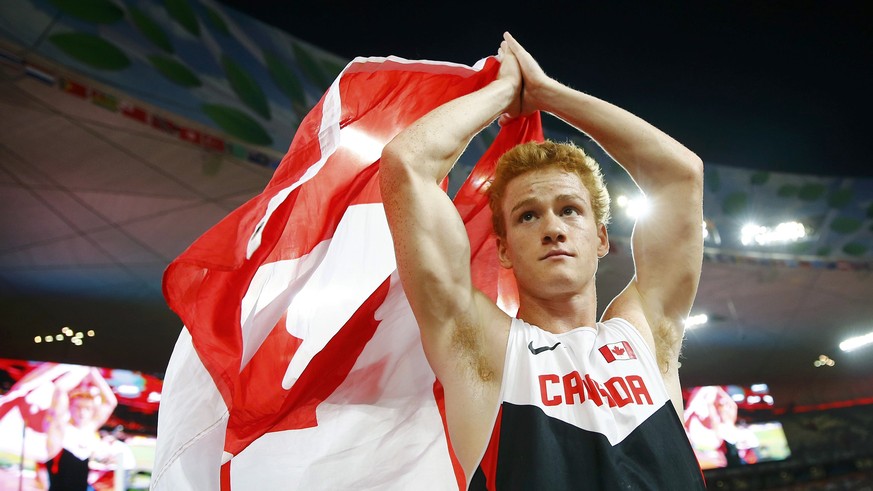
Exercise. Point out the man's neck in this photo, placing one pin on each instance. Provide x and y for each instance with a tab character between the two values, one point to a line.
560	314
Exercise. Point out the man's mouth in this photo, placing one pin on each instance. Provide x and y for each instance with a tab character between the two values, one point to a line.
556	253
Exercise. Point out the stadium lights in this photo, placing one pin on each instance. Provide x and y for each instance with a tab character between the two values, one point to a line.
857	342
760	388
696	320
67	333
633	207
752	234
824	361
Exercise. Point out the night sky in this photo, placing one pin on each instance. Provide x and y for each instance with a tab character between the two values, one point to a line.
782	86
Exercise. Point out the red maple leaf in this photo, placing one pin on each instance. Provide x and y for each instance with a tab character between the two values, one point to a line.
618	350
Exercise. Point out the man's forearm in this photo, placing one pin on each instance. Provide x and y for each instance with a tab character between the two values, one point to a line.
648	154
433	143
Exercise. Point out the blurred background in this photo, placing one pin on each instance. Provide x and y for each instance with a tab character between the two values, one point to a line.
131	127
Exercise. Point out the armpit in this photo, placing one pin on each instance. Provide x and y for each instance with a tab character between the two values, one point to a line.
467	346
668	344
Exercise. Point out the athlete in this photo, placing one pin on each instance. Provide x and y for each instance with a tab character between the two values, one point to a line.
72	423
552	399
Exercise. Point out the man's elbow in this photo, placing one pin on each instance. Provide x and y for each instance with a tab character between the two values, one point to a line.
692	166
393	166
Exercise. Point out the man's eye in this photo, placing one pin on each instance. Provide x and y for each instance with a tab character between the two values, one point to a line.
526	217
570	211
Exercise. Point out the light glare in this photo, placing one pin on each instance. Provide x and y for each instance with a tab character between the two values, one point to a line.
367	147
128	390
760	388
637	207
696	320
857	342
633	207
784	232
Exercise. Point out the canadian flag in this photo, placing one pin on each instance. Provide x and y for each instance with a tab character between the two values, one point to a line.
300	365
618	351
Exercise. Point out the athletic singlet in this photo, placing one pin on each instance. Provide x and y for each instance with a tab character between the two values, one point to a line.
586	409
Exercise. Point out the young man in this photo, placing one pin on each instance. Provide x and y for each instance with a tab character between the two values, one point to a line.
582	404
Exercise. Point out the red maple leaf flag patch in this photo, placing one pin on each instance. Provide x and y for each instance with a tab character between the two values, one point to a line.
617	351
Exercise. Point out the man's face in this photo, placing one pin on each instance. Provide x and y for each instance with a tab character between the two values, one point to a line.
82	410
552	240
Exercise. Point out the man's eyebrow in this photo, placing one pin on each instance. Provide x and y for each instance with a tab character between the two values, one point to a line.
571	197
523	203
561	197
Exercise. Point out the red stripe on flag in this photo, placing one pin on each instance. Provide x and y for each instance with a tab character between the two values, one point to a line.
489	460
225	476
607	353
439	395
630	350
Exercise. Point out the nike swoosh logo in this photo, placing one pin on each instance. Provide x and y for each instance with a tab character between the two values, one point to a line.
539	350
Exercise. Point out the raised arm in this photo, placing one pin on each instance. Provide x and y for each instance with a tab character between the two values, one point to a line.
668	246
431	244
108	401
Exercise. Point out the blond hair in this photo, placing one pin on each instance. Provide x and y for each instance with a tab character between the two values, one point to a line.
532	156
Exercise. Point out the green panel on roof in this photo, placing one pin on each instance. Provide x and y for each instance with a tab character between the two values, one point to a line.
174	71
246	87
845	225
216	20
91	50
759	178
284	78
787	191
150	29
181	12
311	68
855	249
841	198
97	11
237	123
735	203
811	192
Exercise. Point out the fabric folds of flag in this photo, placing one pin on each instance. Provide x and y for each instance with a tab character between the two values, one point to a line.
300	366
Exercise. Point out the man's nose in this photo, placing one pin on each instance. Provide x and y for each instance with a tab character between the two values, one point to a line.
554	229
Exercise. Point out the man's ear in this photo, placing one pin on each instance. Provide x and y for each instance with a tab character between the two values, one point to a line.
501	253
603	239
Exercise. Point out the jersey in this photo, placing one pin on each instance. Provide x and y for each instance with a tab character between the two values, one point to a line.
585	409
